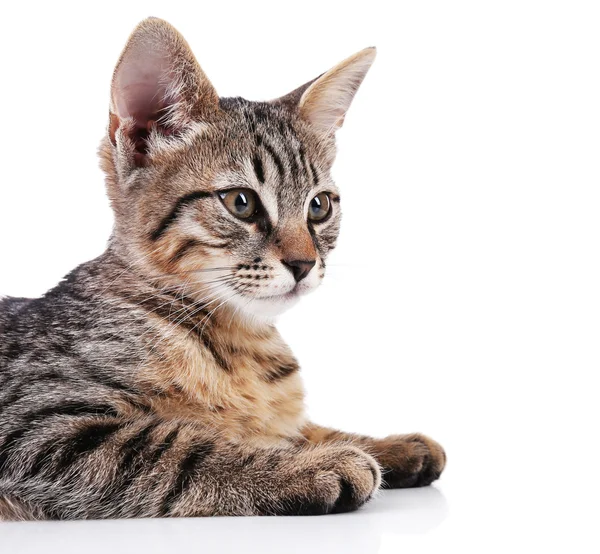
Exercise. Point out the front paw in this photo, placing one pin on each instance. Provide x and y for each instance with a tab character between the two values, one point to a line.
329	480
410	461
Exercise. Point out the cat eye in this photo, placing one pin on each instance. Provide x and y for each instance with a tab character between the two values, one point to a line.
319	207
242	203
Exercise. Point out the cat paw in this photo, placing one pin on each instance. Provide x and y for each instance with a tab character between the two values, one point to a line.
410	461
331	480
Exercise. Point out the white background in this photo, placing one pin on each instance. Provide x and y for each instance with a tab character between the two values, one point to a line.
463	300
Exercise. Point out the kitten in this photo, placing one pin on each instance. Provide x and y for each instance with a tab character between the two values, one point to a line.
151	381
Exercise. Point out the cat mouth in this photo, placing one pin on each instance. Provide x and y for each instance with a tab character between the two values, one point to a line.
290	295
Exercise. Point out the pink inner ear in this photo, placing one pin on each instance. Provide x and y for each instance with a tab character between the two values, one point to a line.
142	101
139	94
139	89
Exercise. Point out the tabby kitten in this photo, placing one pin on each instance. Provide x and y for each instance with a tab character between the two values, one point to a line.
151	381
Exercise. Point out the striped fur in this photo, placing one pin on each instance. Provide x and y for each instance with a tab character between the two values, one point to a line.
151	382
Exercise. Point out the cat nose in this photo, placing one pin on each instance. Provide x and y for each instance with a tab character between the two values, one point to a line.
299	268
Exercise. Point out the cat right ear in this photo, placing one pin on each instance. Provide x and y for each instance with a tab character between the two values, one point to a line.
158	89
324	101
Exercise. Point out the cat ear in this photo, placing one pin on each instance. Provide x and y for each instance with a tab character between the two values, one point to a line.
324	101
157	86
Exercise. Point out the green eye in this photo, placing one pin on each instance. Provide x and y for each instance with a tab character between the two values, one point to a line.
319	207
242	203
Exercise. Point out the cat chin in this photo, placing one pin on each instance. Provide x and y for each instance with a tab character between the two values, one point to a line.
265	309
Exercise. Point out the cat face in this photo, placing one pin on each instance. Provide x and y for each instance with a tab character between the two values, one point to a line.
227	201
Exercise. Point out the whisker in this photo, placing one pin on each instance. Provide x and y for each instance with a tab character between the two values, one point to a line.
233	293
203	288
171	326
201	270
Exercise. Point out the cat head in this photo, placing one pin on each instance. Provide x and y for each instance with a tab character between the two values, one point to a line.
227	201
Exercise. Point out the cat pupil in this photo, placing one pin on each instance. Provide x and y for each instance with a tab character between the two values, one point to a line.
241	203
316	206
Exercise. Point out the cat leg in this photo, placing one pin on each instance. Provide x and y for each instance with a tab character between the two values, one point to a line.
90	467
406	460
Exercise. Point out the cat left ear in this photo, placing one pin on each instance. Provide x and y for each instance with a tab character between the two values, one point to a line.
324	101
157	86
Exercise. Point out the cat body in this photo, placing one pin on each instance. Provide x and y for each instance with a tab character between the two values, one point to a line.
151	381
242	381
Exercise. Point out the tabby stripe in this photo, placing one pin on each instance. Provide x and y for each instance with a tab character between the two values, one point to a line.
186	472
85	441
163	447
184	249
67	409
289	149
280	372
157	306
93	374
314	175
41	461
105	381
276	159
302	155
294	166
259	114
283	128
190	244
247	459
139	457
258	169
292	130
176	211
208	343
134	447
150	460
265	226
74	408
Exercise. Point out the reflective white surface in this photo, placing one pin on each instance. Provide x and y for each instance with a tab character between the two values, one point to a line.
392	513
